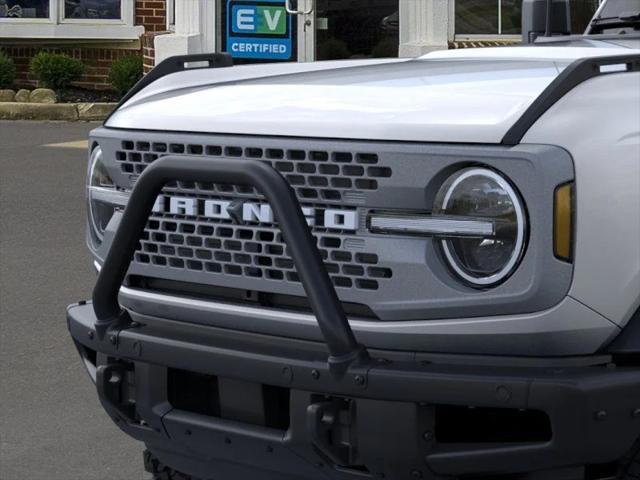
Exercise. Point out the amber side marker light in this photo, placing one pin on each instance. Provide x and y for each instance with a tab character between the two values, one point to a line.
563	220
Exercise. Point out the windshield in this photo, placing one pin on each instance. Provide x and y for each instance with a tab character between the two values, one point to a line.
617	17
618	8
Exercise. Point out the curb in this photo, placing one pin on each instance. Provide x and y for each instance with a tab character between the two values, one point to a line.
69	112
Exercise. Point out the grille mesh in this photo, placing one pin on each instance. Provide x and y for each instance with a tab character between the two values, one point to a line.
315	175
257	252
220	247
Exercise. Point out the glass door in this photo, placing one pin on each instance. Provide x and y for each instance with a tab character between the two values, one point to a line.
258	31
348	29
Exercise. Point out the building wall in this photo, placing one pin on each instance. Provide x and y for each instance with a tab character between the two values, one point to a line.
97	57
152	14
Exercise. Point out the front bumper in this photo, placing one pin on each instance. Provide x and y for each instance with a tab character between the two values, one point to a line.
592	410
216	402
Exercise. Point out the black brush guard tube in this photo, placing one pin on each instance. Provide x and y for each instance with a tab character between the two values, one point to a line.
333	323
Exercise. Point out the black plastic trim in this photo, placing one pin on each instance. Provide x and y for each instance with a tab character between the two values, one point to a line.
592	410
175	64
628	342
576	73
332	320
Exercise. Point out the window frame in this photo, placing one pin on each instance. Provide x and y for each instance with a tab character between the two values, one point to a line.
57	26
170	7
484	36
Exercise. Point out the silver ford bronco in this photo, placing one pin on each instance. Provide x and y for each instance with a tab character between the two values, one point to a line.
387	269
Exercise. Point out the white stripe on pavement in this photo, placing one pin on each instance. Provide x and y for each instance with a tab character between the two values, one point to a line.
83	144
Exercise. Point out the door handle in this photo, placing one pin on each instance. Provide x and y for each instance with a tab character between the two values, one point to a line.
291	11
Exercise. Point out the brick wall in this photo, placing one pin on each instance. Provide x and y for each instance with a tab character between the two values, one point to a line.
153	15
148	51
97	59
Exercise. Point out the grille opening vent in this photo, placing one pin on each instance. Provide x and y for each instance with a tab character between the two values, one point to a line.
238	296
256	252
314	174
456	424
251	403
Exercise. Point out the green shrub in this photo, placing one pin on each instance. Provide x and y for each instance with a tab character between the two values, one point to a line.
7	71
53	70
125	72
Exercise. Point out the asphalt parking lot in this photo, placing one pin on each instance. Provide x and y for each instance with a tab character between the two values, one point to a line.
51	424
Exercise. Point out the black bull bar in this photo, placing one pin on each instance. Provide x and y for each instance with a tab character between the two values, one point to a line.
593	411
333	323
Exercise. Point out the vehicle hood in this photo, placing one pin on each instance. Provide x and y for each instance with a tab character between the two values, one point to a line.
449	96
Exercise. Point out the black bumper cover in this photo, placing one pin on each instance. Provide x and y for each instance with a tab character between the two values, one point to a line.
593	410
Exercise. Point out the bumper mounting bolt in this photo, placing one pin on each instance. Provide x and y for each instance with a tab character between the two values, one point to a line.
636	413
90	334
315	374
187	432
503	393
601	415
416	474
359	380
287	373
427	436
112	339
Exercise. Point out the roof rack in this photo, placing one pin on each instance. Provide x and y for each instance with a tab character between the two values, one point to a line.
176	64
576	73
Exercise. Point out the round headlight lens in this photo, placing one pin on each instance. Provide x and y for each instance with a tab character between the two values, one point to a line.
480	193
98	175
102	195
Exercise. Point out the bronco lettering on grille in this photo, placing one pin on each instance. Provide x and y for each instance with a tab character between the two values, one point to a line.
252	212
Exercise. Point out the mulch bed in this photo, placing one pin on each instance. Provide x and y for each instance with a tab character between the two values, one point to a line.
80	95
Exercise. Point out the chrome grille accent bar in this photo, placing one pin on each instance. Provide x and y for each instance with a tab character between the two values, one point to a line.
437	226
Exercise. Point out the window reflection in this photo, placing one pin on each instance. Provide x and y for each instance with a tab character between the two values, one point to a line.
504	17
357	29
477	17
92	9
581	13
24	8
511	17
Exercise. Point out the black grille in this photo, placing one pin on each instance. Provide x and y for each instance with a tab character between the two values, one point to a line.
316	175
222	248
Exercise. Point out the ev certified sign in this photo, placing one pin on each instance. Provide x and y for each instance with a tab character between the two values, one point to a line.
259	29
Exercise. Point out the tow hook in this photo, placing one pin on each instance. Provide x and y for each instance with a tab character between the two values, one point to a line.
329	423
111	381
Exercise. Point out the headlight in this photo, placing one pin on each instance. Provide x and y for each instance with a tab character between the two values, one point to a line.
102	195
482	194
